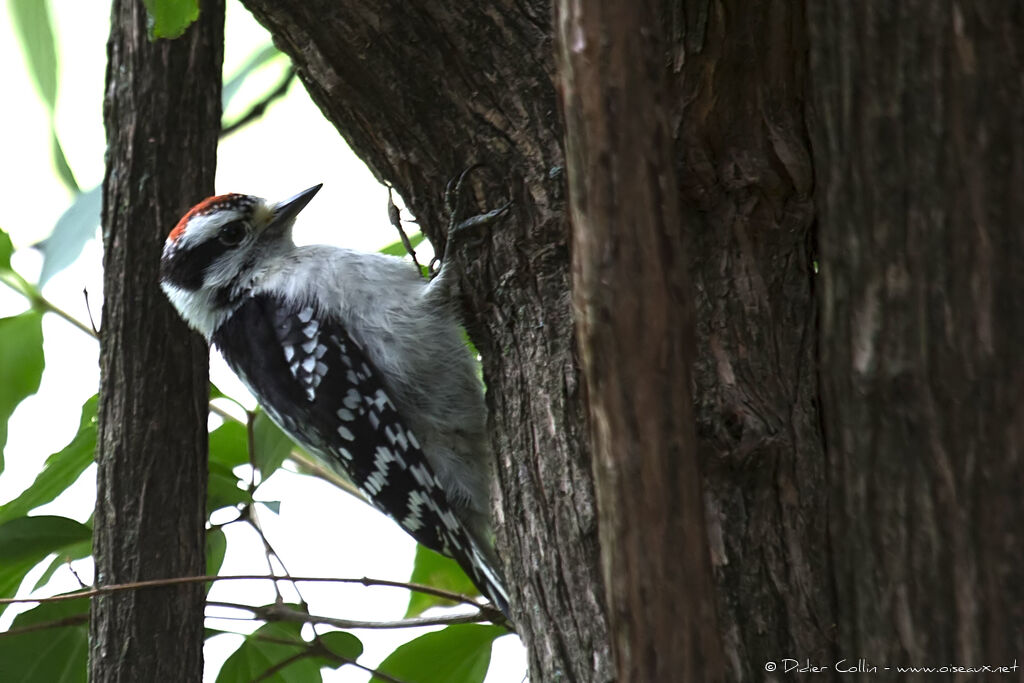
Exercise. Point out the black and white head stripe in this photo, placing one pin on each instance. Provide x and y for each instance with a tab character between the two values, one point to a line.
319	386
197	241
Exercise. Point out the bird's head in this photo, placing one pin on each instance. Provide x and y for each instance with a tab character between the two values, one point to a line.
214	254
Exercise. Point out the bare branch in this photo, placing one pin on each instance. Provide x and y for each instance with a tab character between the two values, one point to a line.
281	612
258	109
395	216
181	580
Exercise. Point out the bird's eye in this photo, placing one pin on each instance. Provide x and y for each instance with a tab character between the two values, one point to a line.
232	233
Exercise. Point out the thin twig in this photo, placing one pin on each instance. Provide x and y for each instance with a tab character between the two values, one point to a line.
88	310
377	673
305	652
281	612
260	107
39	302
315	468
251	516
318	469
71	568
316	649
395	216
186	580
250	447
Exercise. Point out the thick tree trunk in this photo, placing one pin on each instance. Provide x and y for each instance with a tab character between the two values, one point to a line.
420	91
919	169
919	150
635	327
162	116
746	183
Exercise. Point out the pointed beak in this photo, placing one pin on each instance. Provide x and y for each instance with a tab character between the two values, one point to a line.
286	211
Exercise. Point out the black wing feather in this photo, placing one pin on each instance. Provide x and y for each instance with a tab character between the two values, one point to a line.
318	385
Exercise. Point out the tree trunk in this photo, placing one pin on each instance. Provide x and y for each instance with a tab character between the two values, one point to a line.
746	181
635	327
422	90
902	544
162	117
919	149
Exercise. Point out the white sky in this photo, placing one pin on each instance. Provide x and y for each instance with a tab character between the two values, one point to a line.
320	531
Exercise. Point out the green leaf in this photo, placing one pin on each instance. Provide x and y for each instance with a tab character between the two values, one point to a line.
6	249
271	444
21	364
28	537
11	576
398	249
61	470
457	654
269	646
272	505
26	541
215	392
258	59
216	548
75	227
223	489
76	551
433	569
13	279
211	632
228	445
60	162
35	33
57	654
343	644
170	18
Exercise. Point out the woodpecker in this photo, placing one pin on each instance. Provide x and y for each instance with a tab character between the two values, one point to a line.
356	356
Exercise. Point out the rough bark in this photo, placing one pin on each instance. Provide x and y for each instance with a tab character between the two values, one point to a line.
746	184
162	115
919	152
635	326
421	91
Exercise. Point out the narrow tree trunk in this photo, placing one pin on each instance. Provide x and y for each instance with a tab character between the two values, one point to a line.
635	327
919	148
162	116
